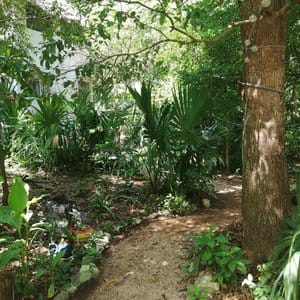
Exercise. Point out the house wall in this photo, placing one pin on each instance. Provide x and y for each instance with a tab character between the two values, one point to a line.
67	67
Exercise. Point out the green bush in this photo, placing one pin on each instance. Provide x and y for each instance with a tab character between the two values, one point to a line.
213	249
286	259
18	216
101	205
181	147
175	204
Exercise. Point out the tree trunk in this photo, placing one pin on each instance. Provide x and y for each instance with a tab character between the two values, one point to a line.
265	181
5	189
6	285
227	146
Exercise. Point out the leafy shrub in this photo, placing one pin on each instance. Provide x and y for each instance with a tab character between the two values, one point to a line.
18	216
114	227
181	147
175	204
101	205
213	249
286	259
279	278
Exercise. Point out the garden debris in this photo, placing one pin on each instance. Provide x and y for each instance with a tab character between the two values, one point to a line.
83	234
61	246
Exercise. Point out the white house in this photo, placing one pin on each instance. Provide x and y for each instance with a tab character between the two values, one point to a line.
70	63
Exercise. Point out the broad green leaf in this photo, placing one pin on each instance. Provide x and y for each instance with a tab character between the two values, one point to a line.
8	216
218	260
51	290
6	239
241	266
219	278
222	239
11	254
225	260
162	18
18	197
39	273
291	277
206	256
1	179
57	258
232	266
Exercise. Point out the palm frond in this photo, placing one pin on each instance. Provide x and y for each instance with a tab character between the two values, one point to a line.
190	107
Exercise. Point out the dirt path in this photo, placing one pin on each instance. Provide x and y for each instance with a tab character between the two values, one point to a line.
148	264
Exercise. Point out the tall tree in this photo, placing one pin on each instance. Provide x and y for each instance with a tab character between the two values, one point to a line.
265	181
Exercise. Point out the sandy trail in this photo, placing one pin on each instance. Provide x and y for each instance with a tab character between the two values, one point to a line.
148	264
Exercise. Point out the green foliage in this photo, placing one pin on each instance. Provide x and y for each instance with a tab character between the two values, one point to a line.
88	128
289	240
213	249
101	205
262	289
18	196
175	204
279	278
190	107
18	215
37	271
195	293
180	150
286	258
156	121
116	227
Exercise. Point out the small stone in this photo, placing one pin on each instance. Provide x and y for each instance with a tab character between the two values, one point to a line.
153	215
120	237
71	290
266	3
206	203
64	295
137	221
206	284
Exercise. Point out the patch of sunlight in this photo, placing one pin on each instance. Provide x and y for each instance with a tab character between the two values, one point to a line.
255	91
237	187
157	228
278	212
227	190
190	221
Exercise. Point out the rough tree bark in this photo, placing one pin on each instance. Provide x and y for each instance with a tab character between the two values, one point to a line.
265	181
6	285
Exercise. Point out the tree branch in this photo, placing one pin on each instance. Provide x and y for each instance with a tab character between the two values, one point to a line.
167	40
160	11
192	40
